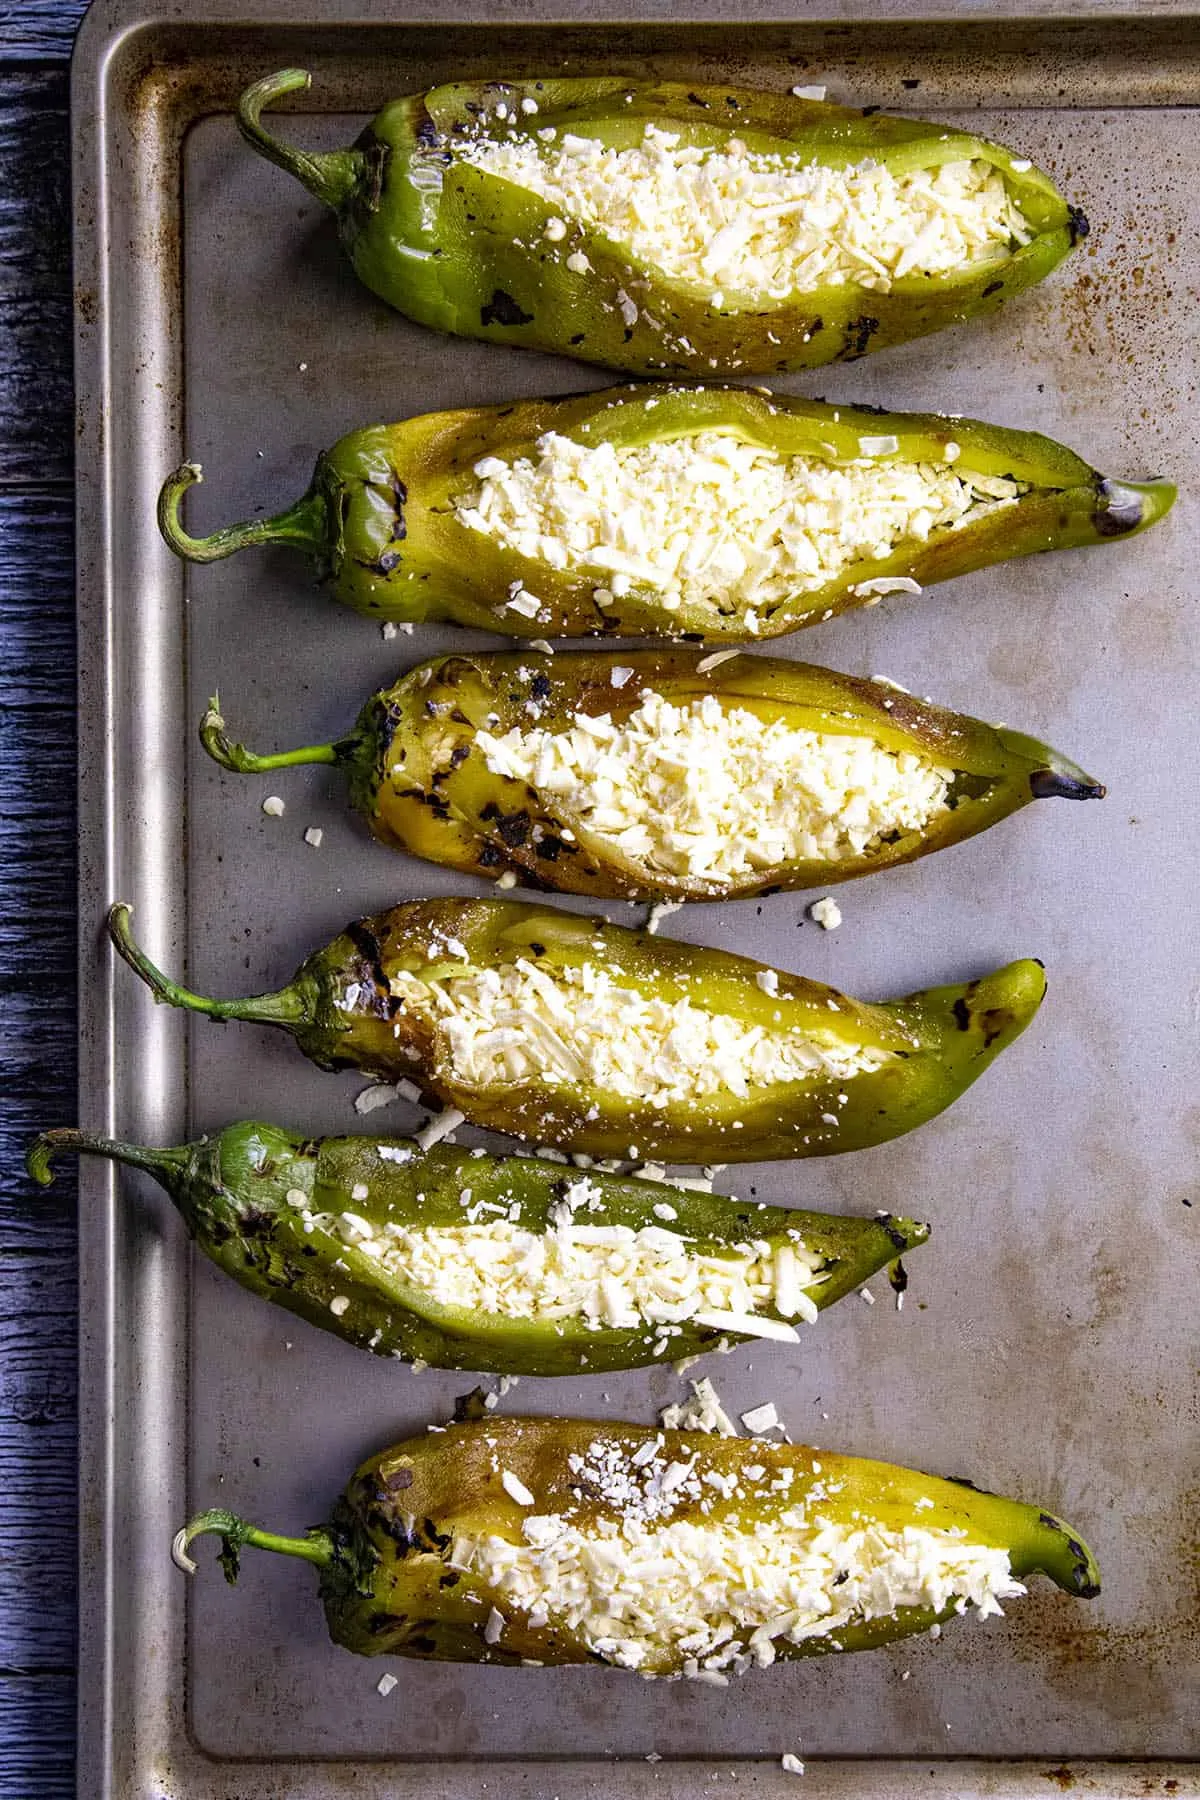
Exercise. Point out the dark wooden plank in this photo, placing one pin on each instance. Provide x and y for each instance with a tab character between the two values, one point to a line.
37	1461
36	404
38	30
37	865
37	598
37	1737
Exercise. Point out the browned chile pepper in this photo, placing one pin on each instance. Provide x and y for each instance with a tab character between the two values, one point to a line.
619	1043
663	773
659	226
615	512
510	1265
547	1541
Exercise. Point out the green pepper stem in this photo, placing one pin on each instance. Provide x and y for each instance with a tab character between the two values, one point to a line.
289	1008
305	525
233	756
49	1144
316	1546
332	176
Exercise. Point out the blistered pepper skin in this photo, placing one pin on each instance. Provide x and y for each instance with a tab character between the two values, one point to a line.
261	1202
389	1587
462	251
343	1010
423	785
379	519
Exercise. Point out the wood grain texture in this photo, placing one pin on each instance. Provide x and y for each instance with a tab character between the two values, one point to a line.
36	404
39	30
38	1456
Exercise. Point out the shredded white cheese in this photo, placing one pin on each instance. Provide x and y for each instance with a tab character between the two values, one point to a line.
710	792
710	520
763	226
705	1596
611	1276
577	1026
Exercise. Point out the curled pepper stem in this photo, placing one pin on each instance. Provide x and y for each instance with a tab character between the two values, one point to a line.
332	176
305	525
233	756
49	1144
316	1546
289	1007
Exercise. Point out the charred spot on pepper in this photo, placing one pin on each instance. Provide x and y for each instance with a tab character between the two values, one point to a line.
1118	509
962	1013
993	287
502	309
858	335
1078	226
1049	784
514	829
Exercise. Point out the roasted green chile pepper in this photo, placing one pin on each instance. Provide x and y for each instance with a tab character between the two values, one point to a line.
499	254
546	1541
708	805
392	515
425	1255
594	1038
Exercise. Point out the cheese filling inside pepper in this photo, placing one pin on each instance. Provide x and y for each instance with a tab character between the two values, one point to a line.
578	1027
710	518
607	1274
710	792
760	225
650	1592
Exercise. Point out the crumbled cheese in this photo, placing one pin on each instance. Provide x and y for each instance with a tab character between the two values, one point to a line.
493	1631
575	1026
708	663
507	880
703	1412
662	909
612	1276
709	792
338	1305
663	1594
314	836
878	446
768	981
748	1325
766	226
816	92
791	1764
515	1488
880	585
440	1127
826	913
713	522
761	1418
273	806
380	1093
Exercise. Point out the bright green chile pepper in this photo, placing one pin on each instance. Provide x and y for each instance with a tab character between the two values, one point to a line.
396	1577
464	251
380	519
293	1219
419	778
350	1006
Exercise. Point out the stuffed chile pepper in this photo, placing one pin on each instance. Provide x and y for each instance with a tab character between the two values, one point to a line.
665	773
617	1043
659	511
671	1553
663	226
518	1266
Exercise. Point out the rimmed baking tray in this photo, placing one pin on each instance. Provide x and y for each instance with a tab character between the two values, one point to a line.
1048	1346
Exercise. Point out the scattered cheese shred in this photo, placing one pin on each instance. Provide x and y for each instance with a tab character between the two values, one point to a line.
575	1026
709	792
710	520
611	1276
766	226
659	1594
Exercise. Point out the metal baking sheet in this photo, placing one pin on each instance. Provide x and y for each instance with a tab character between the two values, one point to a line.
1048	1344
